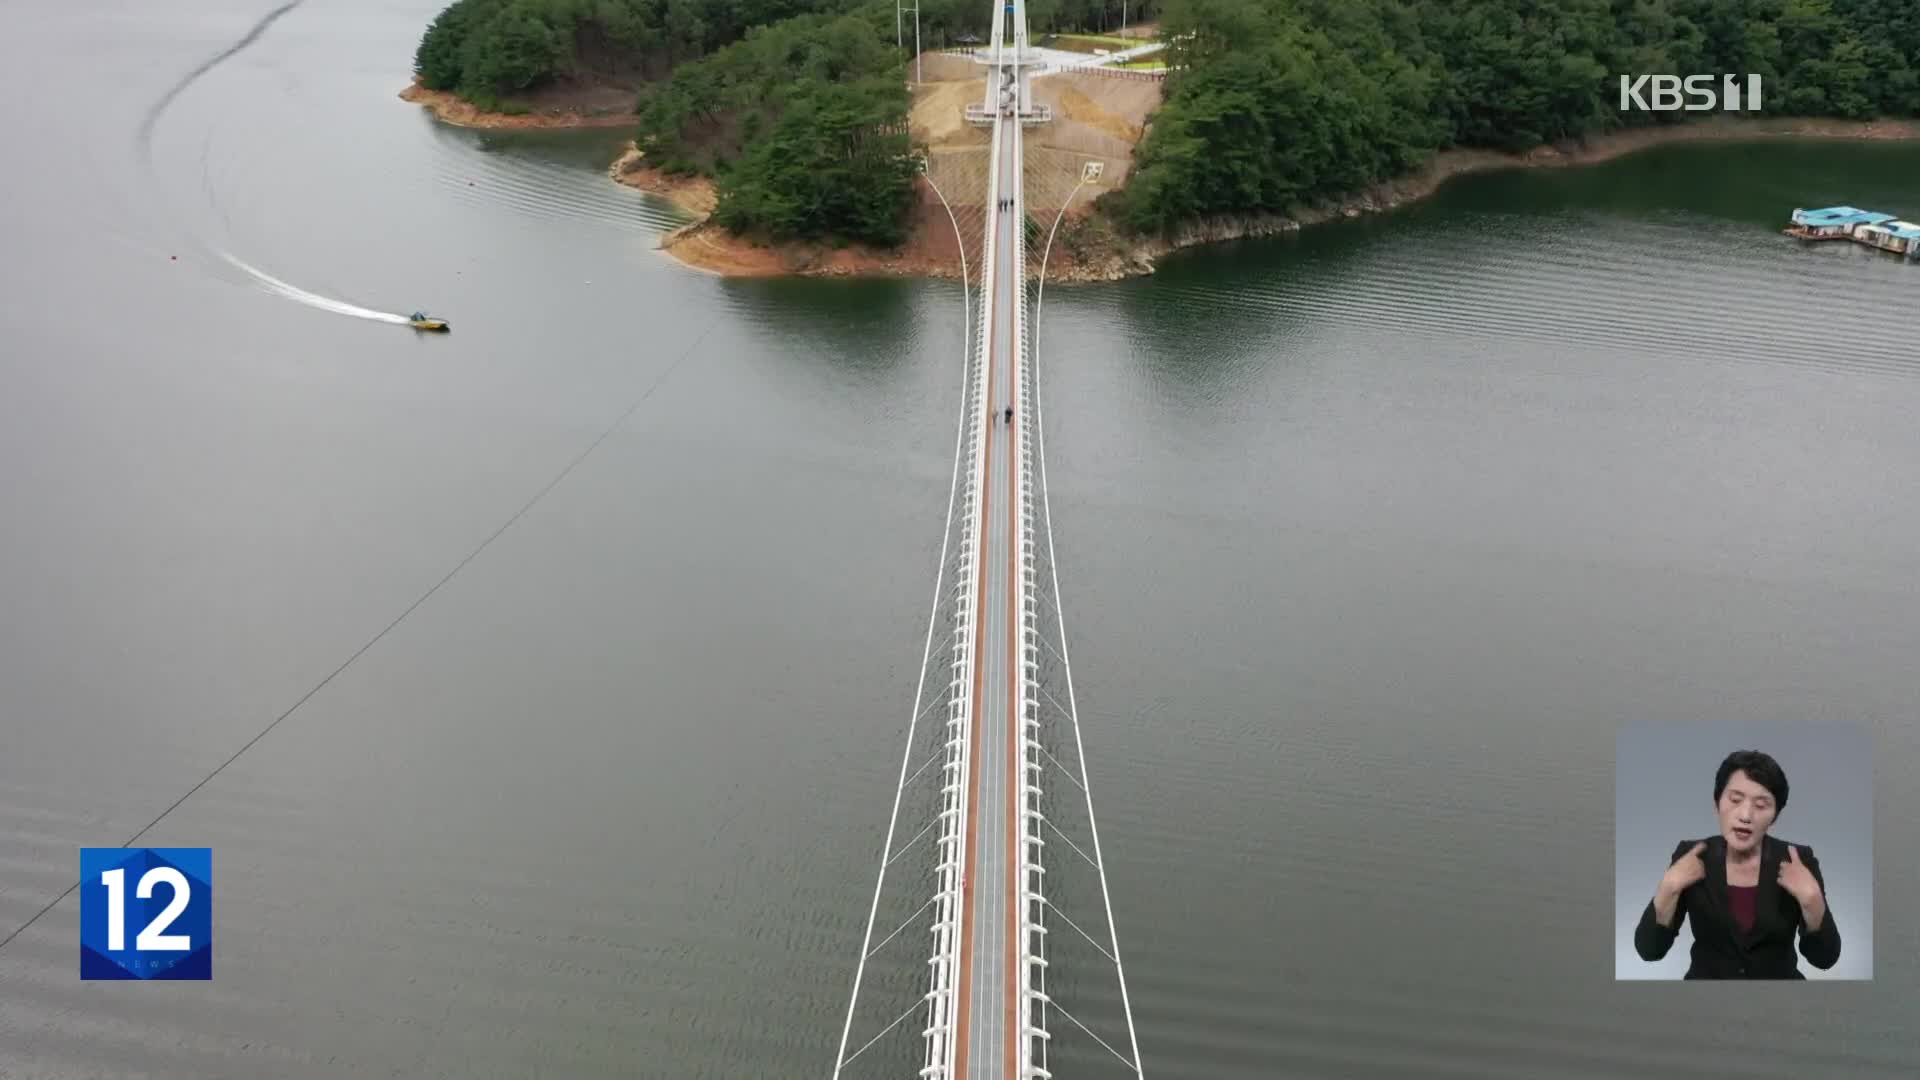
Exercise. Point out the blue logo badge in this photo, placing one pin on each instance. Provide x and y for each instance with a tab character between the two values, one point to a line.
146	913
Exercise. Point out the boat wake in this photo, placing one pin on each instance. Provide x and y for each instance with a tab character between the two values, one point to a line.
153	114
144	138
313	299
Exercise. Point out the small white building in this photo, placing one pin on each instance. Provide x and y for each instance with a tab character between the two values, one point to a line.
1833	222
1899	237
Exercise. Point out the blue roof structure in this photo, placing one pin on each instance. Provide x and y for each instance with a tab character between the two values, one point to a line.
1839	215
1904	229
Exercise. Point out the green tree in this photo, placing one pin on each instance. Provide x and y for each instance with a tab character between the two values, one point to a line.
836	164
1276	103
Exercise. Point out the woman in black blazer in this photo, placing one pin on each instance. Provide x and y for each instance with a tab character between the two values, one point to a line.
1746	893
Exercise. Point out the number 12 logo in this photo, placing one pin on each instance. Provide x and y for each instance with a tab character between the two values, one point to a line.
165	893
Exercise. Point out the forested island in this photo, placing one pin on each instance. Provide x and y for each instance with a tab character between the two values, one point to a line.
801	115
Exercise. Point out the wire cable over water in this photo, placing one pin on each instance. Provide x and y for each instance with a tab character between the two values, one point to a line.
525	508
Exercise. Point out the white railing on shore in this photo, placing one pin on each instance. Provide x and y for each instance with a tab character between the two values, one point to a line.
982	116
1119	73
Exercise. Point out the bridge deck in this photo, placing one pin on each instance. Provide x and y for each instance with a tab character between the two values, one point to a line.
989	988
986	1008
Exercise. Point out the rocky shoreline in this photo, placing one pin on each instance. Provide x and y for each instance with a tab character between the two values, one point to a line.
1137	257
706	246
451	109
1091	250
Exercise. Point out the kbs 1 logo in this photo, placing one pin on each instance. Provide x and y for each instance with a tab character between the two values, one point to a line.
1662	93
146	913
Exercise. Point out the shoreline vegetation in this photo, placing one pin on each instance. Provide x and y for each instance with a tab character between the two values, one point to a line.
791	133
1109	256
705	246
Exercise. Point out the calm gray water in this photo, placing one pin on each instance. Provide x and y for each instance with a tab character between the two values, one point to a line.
1369	540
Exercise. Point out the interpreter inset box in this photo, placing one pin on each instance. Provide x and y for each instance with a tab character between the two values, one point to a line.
1743	851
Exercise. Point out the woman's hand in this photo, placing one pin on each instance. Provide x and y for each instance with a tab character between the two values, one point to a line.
1798	880
1804	888
1685	870
1688	869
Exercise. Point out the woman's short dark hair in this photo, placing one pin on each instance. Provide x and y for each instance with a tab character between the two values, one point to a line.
1760	768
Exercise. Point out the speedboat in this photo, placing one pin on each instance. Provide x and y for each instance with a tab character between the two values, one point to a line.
421	321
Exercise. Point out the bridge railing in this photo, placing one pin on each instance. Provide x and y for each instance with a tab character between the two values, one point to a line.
1032	1032
944	963
1145	74
1048	719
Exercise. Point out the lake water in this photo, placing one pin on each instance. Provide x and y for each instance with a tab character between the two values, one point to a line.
583	639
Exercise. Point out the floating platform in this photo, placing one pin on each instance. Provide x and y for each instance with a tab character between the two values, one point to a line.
1870	227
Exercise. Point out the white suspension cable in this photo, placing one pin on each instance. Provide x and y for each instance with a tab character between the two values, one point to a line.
1053	567
935	756
953	488
895	1024
904	925
908	846
1097	1039
1083	933
1071	844
1056	702
1063	769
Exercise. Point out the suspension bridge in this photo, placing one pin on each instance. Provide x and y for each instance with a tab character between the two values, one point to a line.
991	878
